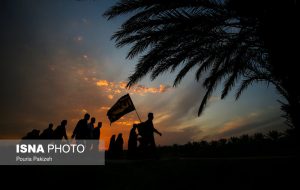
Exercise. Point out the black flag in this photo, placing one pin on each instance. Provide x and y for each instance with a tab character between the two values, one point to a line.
123	106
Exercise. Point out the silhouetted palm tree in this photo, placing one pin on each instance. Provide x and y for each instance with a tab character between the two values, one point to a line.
230	40
222	142
244	139
233	140
274	135
258	137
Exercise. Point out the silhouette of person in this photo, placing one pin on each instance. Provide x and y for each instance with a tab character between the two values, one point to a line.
148	136
60	131
34	134
96	136
47	133
90	133
81	130
112	146
91	127
132	142
119	145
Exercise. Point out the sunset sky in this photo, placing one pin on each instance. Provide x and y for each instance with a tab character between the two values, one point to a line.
58	62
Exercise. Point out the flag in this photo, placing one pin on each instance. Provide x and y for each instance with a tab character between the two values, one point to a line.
123	106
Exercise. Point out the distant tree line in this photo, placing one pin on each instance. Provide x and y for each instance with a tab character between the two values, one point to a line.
273	143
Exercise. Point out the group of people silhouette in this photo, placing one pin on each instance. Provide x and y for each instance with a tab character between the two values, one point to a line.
83	130
49	133
141	140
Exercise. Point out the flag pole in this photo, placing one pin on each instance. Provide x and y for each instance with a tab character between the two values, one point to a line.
135	109
138	115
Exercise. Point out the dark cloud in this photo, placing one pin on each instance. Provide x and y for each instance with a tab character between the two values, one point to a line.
249	124
180	106
255	126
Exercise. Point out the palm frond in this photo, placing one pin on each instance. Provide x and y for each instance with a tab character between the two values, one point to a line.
207	34
188	66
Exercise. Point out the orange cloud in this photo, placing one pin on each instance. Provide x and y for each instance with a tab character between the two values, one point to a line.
122	85
140	89
83	111
114	88
117	91
238	122
102	83
110	97
104	108
123	123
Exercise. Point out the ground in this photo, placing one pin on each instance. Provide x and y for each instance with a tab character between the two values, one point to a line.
177	173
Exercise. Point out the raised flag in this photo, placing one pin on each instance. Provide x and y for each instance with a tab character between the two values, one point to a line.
123	106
